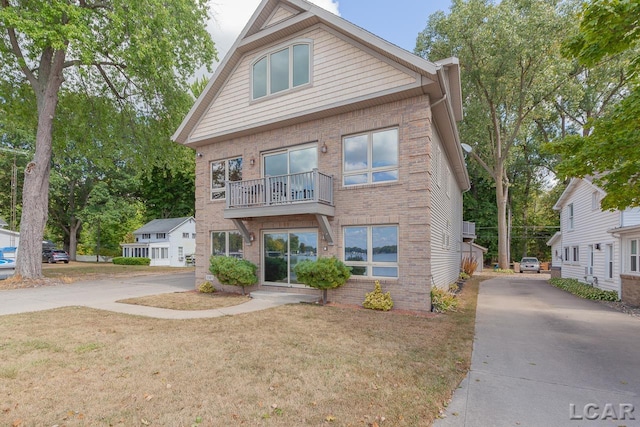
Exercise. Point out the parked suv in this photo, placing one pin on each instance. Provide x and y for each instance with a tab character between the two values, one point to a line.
55	255
529	264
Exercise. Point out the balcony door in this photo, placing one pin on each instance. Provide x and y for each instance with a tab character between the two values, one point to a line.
282	250
286	169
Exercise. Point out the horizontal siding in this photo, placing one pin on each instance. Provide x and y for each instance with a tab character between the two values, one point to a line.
341	72
631	217
590	228
280	15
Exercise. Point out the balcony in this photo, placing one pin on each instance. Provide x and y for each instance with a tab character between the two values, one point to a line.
468	231
292	194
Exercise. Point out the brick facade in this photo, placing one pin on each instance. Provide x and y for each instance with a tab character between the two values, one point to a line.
630	289
406	202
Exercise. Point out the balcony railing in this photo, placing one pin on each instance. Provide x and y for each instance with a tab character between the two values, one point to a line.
281	190
468	230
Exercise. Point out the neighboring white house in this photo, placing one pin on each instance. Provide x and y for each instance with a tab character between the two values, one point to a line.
168	242
596	246
8	240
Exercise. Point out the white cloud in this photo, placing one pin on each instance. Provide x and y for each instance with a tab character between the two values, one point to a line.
228	18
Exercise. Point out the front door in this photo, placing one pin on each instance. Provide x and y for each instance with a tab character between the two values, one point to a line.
282	250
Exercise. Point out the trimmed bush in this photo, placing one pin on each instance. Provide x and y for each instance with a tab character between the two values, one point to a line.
584	290
233	271
442	300
121	260
275	269
376	300
323	273
206	288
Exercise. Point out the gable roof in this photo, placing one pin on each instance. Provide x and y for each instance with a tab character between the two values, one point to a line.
274	20
554	238
162	225
573	184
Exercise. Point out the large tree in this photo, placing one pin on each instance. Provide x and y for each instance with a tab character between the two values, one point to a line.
608	39
137	52
509	54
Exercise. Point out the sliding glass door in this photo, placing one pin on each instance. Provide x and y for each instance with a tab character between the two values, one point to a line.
282	250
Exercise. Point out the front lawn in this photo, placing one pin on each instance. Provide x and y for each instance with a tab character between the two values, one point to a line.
292	365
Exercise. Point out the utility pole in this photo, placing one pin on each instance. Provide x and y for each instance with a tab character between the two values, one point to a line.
14	189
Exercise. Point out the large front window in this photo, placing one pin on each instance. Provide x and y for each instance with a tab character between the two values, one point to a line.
222	171
226	243
372	250
371	157
281	70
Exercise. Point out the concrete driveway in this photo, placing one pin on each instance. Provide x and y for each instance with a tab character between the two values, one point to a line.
543	357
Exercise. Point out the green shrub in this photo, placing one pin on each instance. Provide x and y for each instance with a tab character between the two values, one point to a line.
233	271
454	288
206	288
323	273
376	300
464	276
584	290
121	260
442	300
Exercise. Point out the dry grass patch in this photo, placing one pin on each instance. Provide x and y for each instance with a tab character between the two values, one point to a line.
191	300
289	366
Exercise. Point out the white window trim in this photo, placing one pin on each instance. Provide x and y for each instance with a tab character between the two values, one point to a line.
288	150
226	240
570	216
371	264
609	264
267	55
575	254
226	177
629	255
370	170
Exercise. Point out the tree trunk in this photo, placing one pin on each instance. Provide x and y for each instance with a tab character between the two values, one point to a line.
501	199
74	226
35	193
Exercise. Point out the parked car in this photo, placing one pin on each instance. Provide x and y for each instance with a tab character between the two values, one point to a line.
529	264
55	255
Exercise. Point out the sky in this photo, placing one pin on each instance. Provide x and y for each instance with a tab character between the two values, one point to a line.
397	21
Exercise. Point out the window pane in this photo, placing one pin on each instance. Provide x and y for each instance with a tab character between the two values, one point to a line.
355	153
634	263
385	244
355	179
235	169
235	244
279	63
218	244
355	244
634	247
260	78
357	270
304	160
302	246
217	175
385	271
275	164
300	64
385	176
385	148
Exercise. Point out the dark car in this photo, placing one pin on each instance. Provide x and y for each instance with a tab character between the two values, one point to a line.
55	255
529	264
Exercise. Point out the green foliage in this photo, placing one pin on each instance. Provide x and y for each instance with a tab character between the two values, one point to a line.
323	273
275	269
376	300
463	275
443	300
454	288
121	260
206	288
233	271
583	290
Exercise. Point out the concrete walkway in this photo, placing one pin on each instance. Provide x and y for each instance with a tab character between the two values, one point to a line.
103	294
543	357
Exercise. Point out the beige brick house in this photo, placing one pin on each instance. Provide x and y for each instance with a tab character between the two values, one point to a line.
316	138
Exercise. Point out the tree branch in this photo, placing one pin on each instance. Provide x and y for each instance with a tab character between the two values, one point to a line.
15	47
109	83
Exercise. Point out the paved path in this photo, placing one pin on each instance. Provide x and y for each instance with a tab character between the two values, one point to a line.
103	294
538	350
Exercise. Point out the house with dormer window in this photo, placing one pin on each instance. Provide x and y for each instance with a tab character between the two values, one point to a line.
316	138
167	242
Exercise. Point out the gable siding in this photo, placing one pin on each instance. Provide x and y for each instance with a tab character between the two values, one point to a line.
340	72
280	15
590	228
446	219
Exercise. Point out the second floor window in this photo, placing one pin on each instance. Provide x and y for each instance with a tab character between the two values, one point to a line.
222	171
146	236
370	158
570	216
161	235
281	70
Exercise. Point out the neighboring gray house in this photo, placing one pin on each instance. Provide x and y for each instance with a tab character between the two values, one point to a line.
167	242
596	246
316	138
